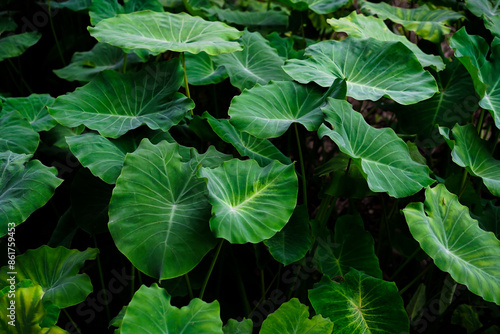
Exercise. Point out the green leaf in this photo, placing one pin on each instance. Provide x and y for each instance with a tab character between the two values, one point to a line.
159	201
472	152
352	247
371	68
382	155
360	304
465	316
86	65
360	26
74	5
104	9
489	11
415	307
160	32
426	22
56	270
490	219
257	63
244	326
284	46
473	51
261	150
292	317
7	23
448	234
15	45
250	19
150	312
115	103
268	111
294	241
16	134
250	203
25	186
317	6
34	109
201	70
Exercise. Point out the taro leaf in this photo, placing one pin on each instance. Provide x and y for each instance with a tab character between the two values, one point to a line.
268	111
472	51
352	246
29	313
448	234
415	307
150	312
360	304
159	212
74	5
454	103
16	134
261	150
199	7
244	326
284	46
115	103
317	6
7	23
382	155
471	152
33	108
293	242
424	21
292	317
251	19
490	219
489	11
250	203
85	66
371	68
25	186
104	9
64	232
468	318
56	270
257	63
159	32
15	45
360	26
201	70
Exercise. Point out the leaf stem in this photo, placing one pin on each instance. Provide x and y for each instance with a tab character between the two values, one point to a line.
404	264
304	183
188	283
101	277
480	123
72	321
463	184
419	276
186	79
202	292
132	289
18	72
55	36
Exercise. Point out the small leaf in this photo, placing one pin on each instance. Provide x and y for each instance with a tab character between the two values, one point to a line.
15	45
201	70
467	317
34	109
489	11
244	326
16	134
415	307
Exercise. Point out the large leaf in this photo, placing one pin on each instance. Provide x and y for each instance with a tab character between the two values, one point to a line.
34	109
15	45
56	270
448	234
115	103
16	134
489	11
201	70
383	156
250	203
292	317
104	9
268	111
360	26
150	312
159	212
257	63
371	68
471	152
425	21
360	304
251	19
473	51
159	32
261	150
25	186
317	6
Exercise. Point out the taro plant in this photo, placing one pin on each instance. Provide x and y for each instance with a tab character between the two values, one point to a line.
219	166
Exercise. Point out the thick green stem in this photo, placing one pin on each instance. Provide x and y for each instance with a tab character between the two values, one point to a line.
186	78
55	36
303	170
480	123
188	283
101	277
202	292
71	319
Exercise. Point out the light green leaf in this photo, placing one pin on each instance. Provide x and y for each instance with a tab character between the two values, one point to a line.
292	317
15	45
360	304
250	19
34	109
424	21
104	9
56	270
150	312
489	11
16	134
250	203
25	186
268	111
244	326
257	63
160	32
360	26
471	152
159	201
448	234
383	156
473	51
115	103
317	6
201	70
371	68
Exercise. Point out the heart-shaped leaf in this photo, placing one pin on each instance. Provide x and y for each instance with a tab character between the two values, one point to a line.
34	109
371	68
159	212
382	155
16	134
448	234
250	203
15	45
104	9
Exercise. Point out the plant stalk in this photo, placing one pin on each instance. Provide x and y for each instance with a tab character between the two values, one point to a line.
186	79
202	292
72	321
101	277
303	170
188	283
419	276
59	50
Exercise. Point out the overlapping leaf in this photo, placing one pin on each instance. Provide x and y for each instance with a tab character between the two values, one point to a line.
317	6
104	9
448	234
15	45
201	70
251	19
34	109
244	326
489	11
16	134
74	5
